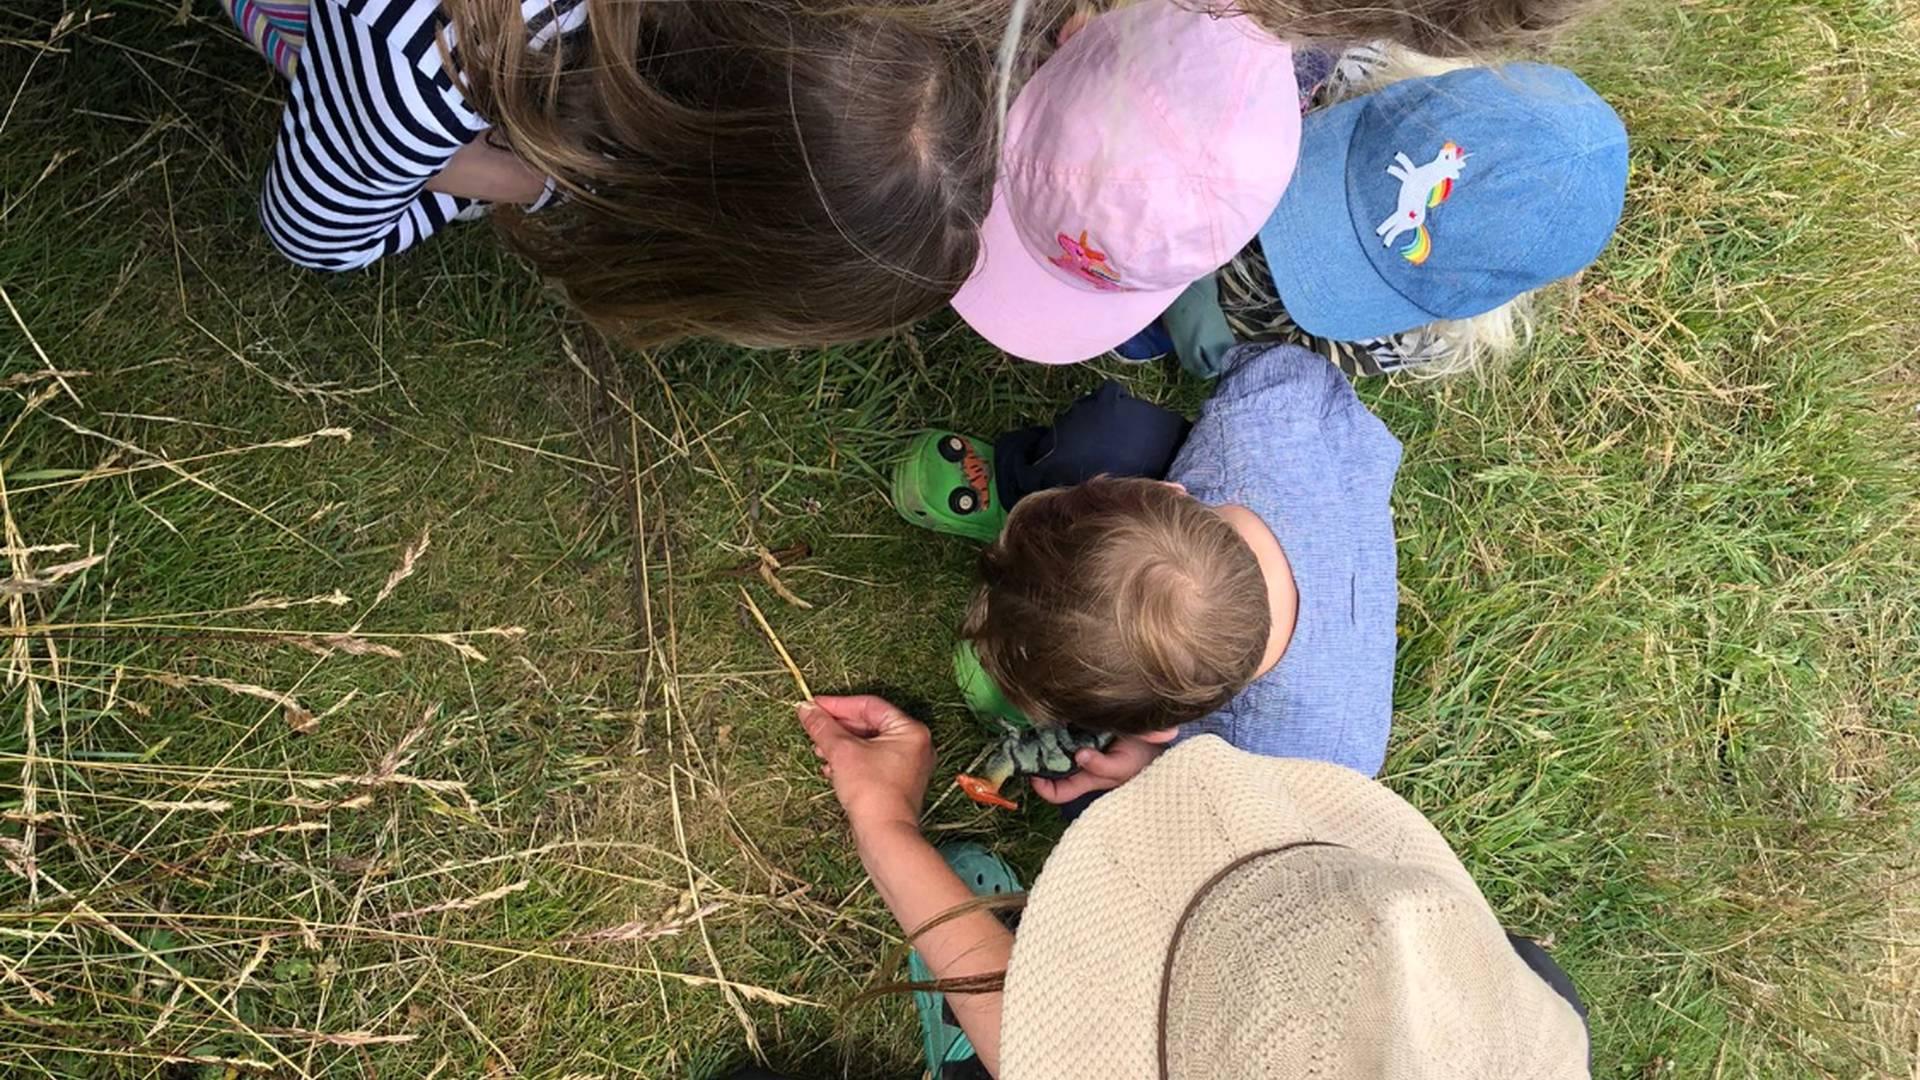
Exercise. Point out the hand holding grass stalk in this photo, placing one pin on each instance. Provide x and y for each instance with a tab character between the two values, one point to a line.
878	758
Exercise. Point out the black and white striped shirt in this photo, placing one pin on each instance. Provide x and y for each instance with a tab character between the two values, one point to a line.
373	115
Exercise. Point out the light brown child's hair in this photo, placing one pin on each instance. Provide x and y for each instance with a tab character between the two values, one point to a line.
1121	605
765	172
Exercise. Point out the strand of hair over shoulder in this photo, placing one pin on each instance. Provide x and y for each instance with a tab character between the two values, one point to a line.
1004	61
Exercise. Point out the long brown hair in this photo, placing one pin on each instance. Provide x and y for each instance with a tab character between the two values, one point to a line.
1434	27
768	172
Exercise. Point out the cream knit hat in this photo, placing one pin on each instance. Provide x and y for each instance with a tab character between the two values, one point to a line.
1227	915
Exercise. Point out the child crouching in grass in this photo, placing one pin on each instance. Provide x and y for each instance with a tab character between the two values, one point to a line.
1251	595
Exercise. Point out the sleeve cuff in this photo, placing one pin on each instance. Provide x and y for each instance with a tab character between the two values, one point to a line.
549	195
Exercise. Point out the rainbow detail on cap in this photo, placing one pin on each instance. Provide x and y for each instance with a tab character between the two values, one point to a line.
1422	245
1444	188
1081	259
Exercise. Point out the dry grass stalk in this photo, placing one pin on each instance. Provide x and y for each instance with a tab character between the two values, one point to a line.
397	779
166	1014
643	930
19	667
453	642
55	373
354	646
84	910
770	573
336	598
28	378
108	466
18	858
409	561
289	827
285	701
246	972
37	818
386	773
38	399
669	663
205	806
727	989
392	761
467	904
160	461
11	973
357	802
37	549
806	693
346	1038
310	931
39	580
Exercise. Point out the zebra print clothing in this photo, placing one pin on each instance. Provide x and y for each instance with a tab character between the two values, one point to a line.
374	114
1255	313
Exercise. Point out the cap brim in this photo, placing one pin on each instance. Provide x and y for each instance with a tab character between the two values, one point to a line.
1017	304
1319	260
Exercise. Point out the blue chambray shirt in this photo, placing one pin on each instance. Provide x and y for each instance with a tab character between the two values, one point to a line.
1284	436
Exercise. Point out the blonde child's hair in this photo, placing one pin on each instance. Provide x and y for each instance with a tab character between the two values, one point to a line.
1119	605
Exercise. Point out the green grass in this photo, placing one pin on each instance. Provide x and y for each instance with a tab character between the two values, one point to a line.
1659	592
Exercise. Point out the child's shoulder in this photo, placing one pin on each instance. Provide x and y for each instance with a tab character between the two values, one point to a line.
1281	377
1288	407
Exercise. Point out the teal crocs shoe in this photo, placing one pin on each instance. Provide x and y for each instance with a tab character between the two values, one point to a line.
944	482
949	1054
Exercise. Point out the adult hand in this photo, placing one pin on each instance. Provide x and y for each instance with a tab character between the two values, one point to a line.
1122	761
877	756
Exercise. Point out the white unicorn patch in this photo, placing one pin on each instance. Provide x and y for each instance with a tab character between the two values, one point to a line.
1422	187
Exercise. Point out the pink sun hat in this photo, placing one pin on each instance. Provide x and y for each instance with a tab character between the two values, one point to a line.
1140	158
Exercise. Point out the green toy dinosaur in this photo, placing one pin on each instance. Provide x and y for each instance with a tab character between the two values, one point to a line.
1024	749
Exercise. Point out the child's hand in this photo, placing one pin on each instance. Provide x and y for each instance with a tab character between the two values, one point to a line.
878	758
1121	762
481	170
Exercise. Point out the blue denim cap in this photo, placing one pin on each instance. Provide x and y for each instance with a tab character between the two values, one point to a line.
1444	198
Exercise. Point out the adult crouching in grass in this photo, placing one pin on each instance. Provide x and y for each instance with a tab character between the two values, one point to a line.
1223	914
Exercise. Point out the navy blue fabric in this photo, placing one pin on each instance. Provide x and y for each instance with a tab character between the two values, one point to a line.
1543	965
1108	432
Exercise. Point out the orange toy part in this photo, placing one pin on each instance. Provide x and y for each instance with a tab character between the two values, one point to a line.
984	793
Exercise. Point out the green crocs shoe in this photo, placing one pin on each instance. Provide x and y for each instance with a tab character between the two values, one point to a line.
944	482
982	694
949	1054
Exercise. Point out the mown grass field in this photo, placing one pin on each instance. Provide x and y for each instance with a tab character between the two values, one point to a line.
380	698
